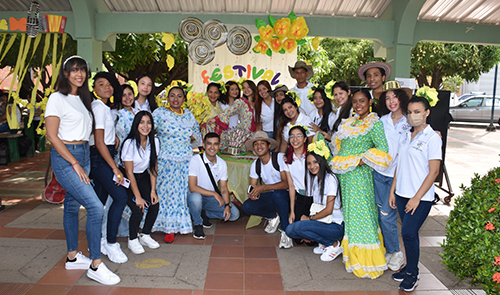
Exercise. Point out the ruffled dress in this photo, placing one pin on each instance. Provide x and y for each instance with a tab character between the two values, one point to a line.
174	132
245	112
364	252
214	111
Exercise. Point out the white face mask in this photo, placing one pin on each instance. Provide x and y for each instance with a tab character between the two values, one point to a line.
416	120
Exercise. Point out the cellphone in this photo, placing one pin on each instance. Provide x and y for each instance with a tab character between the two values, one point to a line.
250	188
126	181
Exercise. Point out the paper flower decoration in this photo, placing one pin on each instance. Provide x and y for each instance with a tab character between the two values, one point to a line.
276	44
310	92
266	33
169	40
241	81
261	47
295	97
299	125
199	105
281	27
289	45
134	87
315	43
298	29
161	99
428	93
329	89
320	148
222	87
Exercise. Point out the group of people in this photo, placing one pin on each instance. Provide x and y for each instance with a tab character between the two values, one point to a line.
330	172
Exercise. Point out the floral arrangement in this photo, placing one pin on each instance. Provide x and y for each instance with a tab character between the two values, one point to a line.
241	81
472	245
329	89
222	87
310	92
199	105
295	97
237	136
300	125
319	147
280	36
428	93
161	99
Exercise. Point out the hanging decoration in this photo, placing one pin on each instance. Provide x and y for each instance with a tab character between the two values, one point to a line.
215	32
280	36
33	21
169	40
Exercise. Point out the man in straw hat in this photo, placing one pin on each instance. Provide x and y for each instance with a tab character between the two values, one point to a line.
302	72
374	74
267	195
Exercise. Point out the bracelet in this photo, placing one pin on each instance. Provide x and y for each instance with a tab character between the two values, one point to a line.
74	164
311	217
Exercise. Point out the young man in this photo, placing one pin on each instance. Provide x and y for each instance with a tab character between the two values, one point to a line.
268	196
205	199
374	75
302	72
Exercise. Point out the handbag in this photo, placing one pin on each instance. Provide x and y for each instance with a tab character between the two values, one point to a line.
315	208
53	193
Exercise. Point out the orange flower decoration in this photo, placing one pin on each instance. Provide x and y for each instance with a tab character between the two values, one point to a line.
281	27
266	33
497	260
261	47
497	180
491	209
298	29
489	226
289	45
496	278
276	44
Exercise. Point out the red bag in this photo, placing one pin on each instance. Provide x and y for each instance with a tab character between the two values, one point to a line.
54	193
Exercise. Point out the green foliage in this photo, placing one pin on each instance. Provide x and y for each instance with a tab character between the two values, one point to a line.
470	249
453	83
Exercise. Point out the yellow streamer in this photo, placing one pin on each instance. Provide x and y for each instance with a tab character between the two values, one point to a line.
9	45
12	118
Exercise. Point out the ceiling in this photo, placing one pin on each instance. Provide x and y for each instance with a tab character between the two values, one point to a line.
456	11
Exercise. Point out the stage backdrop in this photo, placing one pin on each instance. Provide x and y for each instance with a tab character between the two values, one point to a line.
253	66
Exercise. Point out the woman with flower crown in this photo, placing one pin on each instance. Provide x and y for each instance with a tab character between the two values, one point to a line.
358	146
292	116
323	116
177	129
214	92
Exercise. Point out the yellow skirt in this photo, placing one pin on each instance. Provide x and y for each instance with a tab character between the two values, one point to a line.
364	261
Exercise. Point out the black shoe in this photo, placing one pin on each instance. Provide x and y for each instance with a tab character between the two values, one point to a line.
198	232
400	275
409	283
206	220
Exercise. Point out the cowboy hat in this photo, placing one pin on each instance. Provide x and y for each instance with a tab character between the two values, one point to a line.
260	135
373	64
395	85
301	64
278	88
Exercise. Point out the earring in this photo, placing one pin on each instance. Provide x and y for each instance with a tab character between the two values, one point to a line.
353	112
370	109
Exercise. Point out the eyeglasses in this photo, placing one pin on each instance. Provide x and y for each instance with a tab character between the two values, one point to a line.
299	136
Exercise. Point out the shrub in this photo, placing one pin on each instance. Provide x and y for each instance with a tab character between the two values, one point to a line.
472	246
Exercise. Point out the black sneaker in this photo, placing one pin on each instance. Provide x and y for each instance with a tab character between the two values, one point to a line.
206	220
400	275
409	283
198	232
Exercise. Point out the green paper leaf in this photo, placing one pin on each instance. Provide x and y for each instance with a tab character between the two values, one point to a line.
301	41
253	49
292	16
282	51
269	52
256	38
260	23
272	20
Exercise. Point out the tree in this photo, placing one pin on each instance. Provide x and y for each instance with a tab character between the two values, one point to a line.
439	60
138	54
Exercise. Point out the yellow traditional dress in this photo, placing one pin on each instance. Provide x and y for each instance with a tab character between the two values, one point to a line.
214	111
364	252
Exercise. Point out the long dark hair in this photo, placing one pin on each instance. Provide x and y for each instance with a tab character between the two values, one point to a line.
403	102
289	150
324	169
135	135
117	89
252	86
283	118
259	100
151	96
327	110
225	98
64	87
216	85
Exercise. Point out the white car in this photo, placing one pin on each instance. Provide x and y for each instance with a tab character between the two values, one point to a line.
476	109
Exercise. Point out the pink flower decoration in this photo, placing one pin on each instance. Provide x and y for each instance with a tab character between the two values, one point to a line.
489	226
497	260
497	180
496	278
491	209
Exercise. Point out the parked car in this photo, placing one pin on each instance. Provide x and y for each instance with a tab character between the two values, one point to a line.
476	109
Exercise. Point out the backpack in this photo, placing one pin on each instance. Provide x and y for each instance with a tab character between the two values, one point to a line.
274	160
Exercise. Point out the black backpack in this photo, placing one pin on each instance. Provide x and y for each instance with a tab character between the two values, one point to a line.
274	160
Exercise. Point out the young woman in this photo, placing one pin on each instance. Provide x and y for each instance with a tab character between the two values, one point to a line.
125	117
233	92
145	100
359	146
139	154
249	90
393	108
264	108
323	186
322	117
68	120
104	171
278	94
177	129
292	116
342	95
214	94
412	190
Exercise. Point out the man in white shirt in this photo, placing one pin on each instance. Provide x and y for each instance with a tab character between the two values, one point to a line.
302	72
205	200
270	198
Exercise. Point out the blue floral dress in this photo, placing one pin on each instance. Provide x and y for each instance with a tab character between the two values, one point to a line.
123	125
174	133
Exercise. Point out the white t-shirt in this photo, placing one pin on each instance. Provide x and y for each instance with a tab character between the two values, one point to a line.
297	172
75	120
267	116
302	120
197	168
142	107
413	162
316	118
141	156
306	106
393	134
331	186
267	172
233	120
103	120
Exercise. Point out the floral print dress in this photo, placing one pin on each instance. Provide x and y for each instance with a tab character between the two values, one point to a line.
122	129
245	112
174	133
356	140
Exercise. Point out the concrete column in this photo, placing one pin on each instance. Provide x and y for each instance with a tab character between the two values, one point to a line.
399	57
91	51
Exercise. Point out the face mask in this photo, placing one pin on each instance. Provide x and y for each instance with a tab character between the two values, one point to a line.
416	120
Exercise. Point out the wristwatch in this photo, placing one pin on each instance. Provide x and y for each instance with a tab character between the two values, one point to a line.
227	205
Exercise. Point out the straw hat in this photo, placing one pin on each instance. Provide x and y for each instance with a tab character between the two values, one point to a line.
302	64
260	135
373	64
395	85
278	88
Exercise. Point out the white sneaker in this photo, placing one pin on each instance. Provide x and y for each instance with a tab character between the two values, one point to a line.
103	275
103	242
135	246
285	241
331	252
272	225
396	262
320	249
79	262
388	257
147	240
114	253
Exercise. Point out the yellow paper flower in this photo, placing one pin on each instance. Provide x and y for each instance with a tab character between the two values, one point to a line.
281	27
222	87
319	148
261	47
300	125
428	93
266	33
295	97
276	44
310	92
315	43
298	29
241	81
170	62
289	45
168	39
329	89
199	105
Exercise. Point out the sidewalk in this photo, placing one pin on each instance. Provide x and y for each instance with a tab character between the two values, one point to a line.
231	260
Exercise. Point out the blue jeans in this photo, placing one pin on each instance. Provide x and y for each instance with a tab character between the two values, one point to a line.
387	217
78	194
268	204
196	202
409	230
104	185
324	233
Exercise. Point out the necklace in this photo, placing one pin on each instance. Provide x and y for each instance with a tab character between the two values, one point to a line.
357	122
182	111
